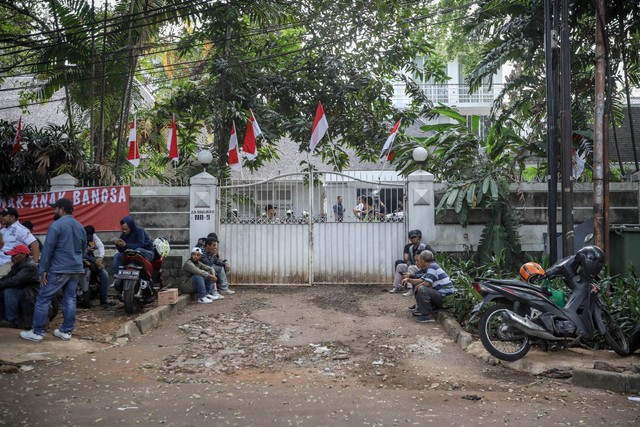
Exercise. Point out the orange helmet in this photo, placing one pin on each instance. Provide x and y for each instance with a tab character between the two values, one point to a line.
531	271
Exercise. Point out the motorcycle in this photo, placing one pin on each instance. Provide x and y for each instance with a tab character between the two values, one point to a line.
89	287
518	312
138	280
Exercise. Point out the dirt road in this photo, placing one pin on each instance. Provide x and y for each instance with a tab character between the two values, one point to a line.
321	356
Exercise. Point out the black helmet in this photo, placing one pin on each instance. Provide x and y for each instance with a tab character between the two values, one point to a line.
590	259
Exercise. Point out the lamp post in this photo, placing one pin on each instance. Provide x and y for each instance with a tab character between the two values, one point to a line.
420	155
204	158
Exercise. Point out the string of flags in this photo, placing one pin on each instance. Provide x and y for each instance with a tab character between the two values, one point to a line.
249	148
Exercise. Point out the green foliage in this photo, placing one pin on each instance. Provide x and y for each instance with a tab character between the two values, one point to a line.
49	153
477	171
623	300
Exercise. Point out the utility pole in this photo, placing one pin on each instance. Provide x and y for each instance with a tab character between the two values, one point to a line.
599	146
550	44
567	133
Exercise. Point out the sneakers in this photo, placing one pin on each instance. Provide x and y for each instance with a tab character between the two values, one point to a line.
227	291
204	300
425	318
214	296
413	307
395	290
417	313
64	336
409	293
31	336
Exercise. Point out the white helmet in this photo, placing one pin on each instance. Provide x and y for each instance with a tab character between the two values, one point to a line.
161	245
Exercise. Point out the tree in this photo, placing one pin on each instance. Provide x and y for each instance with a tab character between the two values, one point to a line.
280	59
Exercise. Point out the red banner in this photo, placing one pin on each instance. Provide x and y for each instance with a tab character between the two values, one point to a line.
102	207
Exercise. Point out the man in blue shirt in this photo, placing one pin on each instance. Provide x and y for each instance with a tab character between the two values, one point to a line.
338	210
434	286
60	267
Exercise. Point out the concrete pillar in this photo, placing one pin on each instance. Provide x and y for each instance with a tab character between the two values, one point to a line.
64	182
420	199
203	195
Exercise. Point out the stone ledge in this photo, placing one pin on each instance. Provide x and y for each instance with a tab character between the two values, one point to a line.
146	322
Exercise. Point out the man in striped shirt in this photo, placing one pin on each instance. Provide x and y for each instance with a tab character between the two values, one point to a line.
432	289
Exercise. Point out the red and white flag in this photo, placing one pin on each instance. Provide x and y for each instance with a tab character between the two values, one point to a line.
133	156
253	131
386	150
234	157
16	142
172	141
320	127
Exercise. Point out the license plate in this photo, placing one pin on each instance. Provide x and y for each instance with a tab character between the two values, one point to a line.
127	274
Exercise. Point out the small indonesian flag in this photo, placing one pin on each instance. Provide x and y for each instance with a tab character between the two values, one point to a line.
320	127
172	141
134	154
16	142
253	131
234	157
386	150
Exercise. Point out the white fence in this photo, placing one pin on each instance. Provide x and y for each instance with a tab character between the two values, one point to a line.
300	240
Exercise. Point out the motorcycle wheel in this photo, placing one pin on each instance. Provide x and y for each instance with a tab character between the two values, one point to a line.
501	339
128	299
613	334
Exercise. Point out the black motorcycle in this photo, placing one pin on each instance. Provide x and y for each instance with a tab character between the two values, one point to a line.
138	280
518	312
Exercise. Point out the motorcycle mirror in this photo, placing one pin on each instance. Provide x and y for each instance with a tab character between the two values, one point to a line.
588	238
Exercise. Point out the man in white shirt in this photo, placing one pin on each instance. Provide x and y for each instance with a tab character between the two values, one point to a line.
15	234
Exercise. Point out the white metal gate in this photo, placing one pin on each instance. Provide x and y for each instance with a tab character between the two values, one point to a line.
301	241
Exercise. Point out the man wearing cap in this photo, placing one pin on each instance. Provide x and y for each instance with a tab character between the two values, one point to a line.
23	274
198	278
14	234
60	267
211	258
407	266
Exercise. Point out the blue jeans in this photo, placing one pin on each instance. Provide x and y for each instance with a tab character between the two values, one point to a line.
104	285
201	285
117	258
11	298
222	277
68	282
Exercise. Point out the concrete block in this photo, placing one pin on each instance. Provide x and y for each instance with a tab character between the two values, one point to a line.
182	303
165	311
464	340
618	382
148	321
129	330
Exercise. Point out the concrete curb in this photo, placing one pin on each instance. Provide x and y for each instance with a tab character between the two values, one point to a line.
624	382
146	322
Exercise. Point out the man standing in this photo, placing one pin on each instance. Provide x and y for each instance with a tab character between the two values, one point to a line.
23	274
211	258
60	268
14	234
338	210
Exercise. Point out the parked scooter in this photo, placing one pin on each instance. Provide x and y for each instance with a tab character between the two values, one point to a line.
138	280
518	312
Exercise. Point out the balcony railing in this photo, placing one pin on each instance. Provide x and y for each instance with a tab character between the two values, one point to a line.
450	94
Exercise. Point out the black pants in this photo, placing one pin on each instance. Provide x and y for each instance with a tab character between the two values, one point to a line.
428	300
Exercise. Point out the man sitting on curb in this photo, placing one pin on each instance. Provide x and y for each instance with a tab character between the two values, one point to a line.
13	286
221	267
198	278
431	289
408	262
